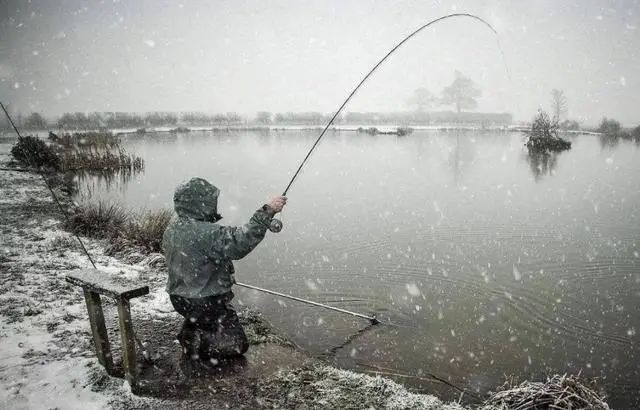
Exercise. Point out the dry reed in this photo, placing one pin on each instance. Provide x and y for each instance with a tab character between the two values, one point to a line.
558	392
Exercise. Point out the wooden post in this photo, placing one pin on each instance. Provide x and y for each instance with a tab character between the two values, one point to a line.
128	343
99	330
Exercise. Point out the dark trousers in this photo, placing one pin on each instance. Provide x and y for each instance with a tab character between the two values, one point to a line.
211	327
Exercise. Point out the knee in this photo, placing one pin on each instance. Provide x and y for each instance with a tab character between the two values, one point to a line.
238	342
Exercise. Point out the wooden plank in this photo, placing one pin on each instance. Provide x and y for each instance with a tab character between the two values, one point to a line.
104	284
99	330
128	343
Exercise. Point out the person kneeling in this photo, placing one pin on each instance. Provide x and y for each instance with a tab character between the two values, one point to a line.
199	254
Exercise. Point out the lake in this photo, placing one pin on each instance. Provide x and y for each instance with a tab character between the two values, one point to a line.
489	262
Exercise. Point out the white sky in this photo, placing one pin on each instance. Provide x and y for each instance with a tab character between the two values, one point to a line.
246	56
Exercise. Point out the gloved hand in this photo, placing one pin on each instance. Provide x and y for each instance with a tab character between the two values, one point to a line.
277	203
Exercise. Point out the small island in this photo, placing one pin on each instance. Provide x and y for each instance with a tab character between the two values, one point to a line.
543	136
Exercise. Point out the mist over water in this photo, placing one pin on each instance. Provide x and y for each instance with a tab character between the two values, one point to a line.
491	262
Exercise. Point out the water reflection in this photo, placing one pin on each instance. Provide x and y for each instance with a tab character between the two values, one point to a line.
461	155
608	140
542	163
612	141
89	182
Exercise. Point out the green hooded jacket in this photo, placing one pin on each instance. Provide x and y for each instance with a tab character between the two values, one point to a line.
198	251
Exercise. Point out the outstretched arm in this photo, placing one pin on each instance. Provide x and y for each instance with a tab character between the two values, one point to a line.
239	241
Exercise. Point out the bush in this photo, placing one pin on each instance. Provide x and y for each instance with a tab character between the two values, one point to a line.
612	130
569	125
543	135
544	126
402	131
609	126
32	151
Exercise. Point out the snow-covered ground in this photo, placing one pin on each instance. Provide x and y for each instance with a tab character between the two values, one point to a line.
47	358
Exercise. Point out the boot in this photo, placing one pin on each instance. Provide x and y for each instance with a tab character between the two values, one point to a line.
188	339
221	344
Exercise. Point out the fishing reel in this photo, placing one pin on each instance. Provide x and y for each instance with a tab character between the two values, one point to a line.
275	226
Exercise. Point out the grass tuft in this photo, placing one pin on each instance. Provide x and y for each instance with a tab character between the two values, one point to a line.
146	229
73	160
86	139
123	229
97	220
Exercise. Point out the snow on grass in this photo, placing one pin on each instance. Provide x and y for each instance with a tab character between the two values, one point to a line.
47	358
328	387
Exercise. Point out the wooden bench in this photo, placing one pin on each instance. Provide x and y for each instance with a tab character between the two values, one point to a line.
96	283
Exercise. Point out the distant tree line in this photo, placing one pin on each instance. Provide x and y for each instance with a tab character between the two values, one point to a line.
114	120
428	118
110	120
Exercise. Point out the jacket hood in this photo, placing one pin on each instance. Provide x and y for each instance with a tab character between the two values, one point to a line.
197	199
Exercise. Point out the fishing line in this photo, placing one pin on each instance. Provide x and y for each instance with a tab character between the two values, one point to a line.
397	46
65	214
53	195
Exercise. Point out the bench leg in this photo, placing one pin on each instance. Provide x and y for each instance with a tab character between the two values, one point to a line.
128	343
99	330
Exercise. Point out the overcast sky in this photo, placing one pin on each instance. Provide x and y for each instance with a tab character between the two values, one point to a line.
247	56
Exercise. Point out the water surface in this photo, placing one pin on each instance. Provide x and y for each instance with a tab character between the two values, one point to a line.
491	262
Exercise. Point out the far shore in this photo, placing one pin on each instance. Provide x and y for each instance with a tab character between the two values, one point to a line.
383	128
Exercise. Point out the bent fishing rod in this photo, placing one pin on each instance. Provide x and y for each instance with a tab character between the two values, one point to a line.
276	225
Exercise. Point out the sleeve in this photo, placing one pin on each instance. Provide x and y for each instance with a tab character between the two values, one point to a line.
238	241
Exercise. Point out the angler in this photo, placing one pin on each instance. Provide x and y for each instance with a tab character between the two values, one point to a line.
199	254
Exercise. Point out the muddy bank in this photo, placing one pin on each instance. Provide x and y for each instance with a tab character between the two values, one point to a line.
47	357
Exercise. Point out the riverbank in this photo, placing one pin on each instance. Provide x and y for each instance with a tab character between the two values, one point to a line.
47	354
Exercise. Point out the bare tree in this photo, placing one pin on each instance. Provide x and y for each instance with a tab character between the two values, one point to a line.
462	93
421	98
558	103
